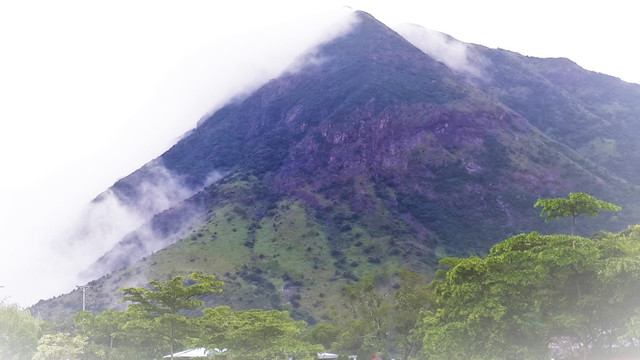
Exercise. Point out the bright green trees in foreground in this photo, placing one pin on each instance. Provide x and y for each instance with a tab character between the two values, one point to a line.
532	291
256	334
60	346
386	316
165	300
114	334
155	323
19	333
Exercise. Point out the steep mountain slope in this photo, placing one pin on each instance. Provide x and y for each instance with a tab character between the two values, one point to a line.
595	114
375	156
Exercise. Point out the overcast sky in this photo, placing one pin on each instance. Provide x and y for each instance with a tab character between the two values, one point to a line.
90	91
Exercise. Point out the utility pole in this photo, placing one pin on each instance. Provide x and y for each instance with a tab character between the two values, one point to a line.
84	290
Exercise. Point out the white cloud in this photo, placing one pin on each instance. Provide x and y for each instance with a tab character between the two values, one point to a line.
456	55
55	263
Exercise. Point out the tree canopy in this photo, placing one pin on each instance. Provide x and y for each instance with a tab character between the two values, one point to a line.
256	334
534	290
165	300
19	332
576	204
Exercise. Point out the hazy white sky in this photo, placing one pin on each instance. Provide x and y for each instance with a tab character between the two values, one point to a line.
90	91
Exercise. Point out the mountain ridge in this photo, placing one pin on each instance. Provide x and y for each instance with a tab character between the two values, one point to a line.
375	158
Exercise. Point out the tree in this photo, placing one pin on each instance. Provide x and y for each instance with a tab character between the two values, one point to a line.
120	335
145	334
19	333
165	300
576	204
410	301
532	290
60	346
104	329
324	334
114	334
256	334
373	310
352	337
382	321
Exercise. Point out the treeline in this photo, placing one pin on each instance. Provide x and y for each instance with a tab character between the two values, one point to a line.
532	296
154	324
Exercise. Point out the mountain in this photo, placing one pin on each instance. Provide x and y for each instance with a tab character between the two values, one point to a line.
594	114
378	154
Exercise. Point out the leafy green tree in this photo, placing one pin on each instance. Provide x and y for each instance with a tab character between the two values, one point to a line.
114	334
19	333
615	297
576	204
164	301
106	328
532	290
386	316
58	325
368	350
145	335
324	334
410	301
256	334
494	308
352	336
373	309
60	346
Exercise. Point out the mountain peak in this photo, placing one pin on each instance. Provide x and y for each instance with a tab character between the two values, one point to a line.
378	155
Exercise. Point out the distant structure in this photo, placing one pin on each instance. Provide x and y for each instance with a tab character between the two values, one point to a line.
84	291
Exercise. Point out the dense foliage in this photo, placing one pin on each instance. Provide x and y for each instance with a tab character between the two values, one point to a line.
165	300
156	323
256	334
533	293
576	204
19	332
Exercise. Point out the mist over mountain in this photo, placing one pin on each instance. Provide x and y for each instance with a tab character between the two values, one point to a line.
380	152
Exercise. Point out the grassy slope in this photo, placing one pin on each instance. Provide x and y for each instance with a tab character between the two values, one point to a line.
271	252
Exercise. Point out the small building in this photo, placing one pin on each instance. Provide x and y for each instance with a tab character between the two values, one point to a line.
327	356
191	353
